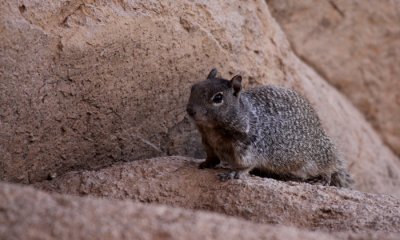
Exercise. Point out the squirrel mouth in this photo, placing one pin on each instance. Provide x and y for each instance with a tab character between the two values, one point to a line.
197	120
202	122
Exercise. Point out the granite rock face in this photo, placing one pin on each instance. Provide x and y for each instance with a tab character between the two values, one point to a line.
29	214
145	200
355	46
176	181
88	84
302	211
87	87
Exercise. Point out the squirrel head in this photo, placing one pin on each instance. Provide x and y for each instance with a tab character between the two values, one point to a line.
215	101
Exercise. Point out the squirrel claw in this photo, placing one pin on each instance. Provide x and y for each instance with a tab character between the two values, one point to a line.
223	177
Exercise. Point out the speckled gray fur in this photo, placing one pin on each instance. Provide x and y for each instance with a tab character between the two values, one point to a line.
269	128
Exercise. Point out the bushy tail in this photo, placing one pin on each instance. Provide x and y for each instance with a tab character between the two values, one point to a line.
342	178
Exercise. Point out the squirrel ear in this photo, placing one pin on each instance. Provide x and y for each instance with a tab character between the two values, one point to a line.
213	73
236	83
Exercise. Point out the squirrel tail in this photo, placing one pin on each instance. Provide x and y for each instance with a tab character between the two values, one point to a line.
342	178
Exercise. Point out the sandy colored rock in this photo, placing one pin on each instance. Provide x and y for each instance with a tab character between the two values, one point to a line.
354	45
88	84
85	85
29	214
177	182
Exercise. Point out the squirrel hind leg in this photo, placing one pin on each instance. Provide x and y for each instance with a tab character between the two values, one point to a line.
342	179
324	180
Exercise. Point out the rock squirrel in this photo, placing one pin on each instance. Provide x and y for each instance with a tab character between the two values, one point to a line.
269	128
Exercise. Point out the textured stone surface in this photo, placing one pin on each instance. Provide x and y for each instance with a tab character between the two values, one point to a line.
87	84
176	181
29	214
84	85
355	45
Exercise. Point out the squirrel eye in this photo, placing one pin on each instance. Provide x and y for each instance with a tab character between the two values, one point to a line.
217	98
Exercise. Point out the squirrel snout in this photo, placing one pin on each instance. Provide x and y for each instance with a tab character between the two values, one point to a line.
190	111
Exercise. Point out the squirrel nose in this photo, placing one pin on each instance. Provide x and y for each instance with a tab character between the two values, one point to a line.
190	111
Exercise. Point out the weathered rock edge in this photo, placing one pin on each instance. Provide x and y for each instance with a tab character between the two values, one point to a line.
26	213
30	214
176	181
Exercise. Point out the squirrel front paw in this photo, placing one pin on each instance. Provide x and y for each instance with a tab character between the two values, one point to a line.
208	164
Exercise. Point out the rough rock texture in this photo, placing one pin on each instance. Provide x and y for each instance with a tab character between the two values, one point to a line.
86	84
355	45
29	214
176	181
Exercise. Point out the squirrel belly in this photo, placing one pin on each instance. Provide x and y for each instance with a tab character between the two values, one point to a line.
269	128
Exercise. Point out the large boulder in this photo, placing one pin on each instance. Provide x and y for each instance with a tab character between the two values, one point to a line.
29	214
177	182
85	85
355	46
